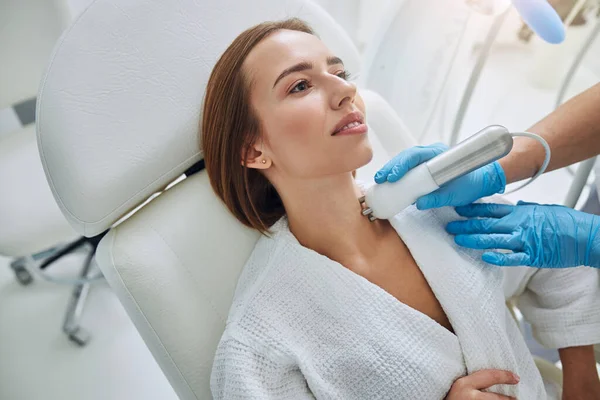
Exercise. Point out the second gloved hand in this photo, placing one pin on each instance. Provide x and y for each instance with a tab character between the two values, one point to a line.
543	236
485	181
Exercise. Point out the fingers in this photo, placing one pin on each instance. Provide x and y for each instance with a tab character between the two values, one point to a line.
478	226
493	396
442	197
526	203
489	241
432	200
468	387
506	260
489	377
488	210
398	166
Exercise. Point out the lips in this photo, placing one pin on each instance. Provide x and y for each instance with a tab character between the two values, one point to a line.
350	125
351	120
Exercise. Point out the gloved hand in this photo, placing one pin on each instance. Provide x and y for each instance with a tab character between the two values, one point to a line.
485	181
543	236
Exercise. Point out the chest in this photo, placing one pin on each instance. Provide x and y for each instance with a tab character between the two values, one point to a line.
396	271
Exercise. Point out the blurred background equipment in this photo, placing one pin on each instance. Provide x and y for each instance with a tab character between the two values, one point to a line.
33	231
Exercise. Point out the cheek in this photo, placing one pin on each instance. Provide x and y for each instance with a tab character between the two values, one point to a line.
302	121
360	104
296	128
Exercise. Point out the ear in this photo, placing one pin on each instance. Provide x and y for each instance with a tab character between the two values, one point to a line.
256	159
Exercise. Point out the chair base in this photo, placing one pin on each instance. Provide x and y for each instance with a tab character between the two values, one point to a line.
71	325
72	319
22	274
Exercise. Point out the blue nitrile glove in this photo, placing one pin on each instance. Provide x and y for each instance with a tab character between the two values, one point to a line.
485	181
543	236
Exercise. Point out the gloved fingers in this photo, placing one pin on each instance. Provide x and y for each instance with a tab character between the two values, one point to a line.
479	226
526	203
491	241
438	198
506	260
485	210
406	160
546	206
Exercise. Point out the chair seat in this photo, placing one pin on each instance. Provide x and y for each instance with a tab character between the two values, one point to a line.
30	220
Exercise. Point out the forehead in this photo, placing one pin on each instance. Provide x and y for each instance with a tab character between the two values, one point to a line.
281	50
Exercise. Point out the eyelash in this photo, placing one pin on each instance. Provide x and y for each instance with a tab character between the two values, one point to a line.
345	75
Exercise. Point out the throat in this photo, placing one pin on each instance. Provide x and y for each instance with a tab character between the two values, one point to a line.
336	227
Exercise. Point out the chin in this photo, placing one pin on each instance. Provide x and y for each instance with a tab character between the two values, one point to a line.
363	156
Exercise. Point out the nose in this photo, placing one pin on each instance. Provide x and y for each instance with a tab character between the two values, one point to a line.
343	92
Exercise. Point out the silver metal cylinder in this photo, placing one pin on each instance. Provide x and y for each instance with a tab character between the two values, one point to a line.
484	147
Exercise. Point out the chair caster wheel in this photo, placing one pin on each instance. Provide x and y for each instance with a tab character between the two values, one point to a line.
79	336
21	273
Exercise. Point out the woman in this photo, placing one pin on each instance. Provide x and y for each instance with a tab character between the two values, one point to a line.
329	304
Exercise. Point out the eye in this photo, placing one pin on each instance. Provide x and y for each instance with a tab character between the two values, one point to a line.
300	87
345	75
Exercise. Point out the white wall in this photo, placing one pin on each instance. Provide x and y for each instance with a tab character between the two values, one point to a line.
358	17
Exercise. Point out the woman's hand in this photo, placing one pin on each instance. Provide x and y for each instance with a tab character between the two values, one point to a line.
470	387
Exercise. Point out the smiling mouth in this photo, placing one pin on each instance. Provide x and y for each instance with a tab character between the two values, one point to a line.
351	122
351	129
350	125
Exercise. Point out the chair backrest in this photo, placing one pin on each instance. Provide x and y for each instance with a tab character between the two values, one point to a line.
118	117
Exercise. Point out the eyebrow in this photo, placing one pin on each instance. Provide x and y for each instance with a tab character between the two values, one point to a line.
303	66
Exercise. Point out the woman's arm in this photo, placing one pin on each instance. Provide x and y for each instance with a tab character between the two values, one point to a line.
572	131
242	371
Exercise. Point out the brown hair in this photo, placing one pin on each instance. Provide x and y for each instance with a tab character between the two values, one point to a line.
230	127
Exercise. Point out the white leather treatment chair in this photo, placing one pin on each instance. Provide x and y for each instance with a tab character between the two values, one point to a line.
118	117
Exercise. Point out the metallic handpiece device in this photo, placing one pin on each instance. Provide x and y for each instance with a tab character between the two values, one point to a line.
385	200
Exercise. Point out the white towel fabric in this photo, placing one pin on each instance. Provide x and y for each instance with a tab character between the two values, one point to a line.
303	326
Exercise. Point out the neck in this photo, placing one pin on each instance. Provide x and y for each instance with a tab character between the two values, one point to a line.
325	215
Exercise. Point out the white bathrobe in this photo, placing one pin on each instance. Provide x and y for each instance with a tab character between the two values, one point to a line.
303	326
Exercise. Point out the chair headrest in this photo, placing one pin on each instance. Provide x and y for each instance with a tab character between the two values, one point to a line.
119	108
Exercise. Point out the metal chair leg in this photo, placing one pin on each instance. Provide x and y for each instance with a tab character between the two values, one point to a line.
70	248
19	265
71	326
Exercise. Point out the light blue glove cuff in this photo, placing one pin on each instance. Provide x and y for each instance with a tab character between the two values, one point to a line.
495	181
592	254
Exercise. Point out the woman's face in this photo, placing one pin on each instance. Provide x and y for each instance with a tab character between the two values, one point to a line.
301	96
